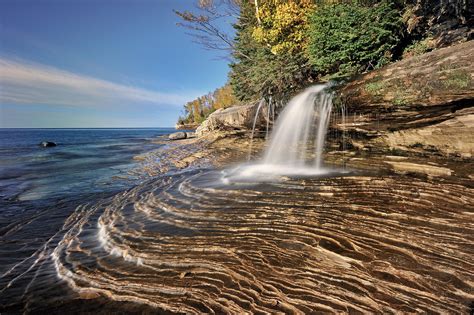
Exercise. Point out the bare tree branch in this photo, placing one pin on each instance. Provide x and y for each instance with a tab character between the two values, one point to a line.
204	26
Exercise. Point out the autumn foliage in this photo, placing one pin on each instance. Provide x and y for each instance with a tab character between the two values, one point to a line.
197	110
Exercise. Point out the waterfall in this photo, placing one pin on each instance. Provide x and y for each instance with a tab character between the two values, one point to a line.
269	109
262	101
294	137
343	120
296	144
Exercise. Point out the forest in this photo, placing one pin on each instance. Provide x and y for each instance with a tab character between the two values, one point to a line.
277	47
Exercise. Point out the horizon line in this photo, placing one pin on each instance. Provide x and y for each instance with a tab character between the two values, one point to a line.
87	127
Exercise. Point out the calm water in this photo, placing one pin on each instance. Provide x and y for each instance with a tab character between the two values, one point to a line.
85	160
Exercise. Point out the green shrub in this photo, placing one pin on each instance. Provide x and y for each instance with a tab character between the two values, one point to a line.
418	47
457	80
345	39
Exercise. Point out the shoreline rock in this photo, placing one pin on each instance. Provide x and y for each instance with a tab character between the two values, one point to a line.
233	118
177	135
421	106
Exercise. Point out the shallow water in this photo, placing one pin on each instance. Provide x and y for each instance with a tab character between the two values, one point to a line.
41	187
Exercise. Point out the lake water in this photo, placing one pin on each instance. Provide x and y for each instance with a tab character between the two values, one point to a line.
85	160
40	187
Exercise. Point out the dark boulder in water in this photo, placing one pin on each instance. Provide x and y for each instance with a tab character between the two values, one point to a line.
47	144
177	135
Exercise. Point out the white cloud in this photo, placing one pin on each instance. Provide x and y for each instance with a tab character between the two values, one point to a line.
32	83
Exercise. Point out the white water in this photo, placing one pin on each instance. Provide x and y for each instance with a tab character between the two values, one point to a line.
297	141
262	101
269	109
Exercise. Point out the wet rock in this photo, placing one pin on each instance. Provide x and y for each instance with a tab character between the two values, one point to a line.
177	135
89	294
47	144
430	170
185	274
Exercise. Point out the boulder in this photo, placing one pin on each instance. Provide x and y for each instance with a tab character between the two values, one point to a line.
47	144
177	135
190	135
232	118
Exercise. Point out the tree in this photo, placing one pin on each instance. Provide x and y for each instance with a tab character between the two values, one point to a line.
197	110
273	38
349	38
283	25
206	25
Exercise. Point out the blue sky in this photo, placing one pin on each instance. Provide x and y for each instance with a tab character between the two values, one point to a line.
102	63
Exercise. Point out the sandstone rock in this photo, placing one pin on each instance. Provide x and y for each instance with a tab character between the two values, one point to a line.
395	157
232	118
177	135
407	167
186	126
436	78
190	135
423	105
451	137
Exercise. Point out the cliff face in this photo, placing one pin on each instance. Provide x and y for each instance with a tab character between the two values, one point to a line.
423	104
232	118
447	21
186	126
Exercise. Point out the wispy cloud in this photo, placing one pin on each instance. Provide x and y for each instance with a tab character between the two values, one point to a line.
24	82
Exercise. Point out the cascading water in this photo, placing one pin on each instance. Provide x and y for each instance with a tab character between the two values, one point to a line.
262	101
297	141
290	141
269	110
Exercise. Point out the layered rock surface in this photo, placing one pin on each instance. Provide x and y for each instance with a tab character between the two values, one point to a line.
356	244
423	104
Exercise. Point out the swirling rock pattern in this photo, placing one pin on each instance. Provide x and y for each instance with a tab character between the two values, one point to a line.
189	244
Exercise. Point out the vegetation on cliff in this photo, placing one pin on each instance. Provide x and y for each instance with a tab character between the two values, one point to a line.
347	39
280	46
197	110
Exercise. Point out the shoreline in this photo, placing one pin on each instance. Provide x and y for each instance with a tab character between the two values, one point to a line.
225	149
184	191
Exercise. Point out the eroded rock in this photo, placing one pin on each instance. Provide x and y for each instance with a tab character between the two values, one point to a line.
177	135
423	105
232	118
430	170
